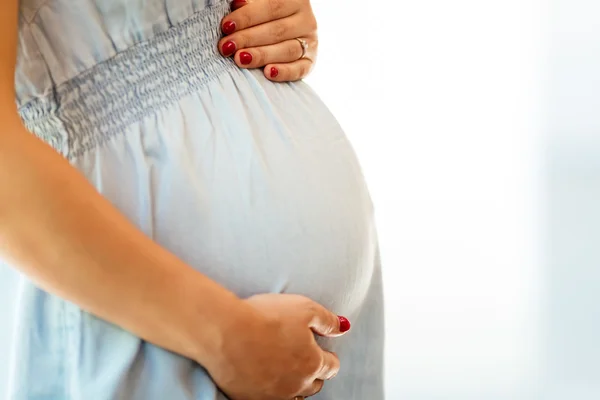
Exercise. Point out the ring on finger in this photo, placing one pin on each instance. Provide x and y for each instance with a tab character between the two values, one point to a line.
304	45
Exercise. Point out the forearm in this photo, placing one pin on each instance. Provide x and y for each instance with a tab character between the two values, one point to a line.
60	232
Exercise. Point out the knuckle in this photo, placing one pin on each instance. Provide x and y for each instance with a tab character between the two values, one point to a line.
313	365
244	19
260	57
275	7
278	30
239	39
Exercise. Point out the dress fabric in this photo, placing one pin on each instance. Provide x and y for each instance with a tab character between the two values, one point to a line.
253	183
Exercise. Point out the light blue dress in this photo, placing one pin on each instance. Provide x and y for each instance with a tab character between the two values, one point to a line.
251	182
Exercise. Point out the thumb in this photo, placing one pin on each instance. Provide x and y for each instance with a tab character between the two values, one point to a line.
326	323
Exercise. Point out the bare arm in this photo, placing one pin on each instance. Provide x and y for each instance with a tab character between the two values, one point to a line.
60	232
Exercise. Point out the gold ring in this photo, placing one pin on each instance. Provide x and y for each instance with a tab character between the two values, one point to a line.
304	45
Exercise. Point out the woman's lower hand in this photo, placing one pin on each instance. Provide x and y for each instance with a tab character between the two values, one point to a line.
279	36
274	354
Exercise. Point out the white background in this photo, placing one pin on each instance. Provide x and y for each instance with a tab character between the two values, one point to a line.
478	127
477	124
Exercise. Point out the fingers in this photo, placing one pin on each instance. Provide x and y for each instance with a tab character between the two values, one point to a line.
290	72
255	12
315	388
262	33
282	60
326	323
267	34
284	52
330	368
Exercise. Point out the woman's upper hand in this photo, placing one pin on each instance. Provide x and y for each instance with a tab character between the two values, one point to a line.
274	355
265	33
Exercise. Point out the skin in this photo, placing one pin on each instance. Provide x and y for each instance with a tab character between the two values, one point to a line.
267	30
73	243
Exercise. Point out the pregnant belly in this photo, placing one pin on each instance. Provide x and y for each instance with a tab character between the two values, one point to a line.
259	196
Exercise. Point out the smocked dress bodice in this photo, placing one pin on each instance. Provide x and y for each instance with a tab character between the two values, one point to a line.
252	183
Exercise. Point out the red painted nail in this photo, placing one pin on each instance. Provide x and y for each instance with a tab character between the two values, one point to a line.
274	72
239	3
245	58
228	27
344	324
229	48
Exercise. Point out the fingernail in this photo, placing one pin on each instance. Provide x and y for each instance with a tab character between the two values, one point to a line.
239	3
228	27
344	324
229	48
245	58
274	72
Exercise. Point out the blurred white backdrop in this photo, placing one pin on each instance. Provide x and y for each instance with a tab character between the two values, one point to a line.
464	114
478	127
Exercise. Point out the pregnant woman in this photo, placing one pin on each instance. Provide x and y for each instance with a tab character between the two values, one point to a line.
184	228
